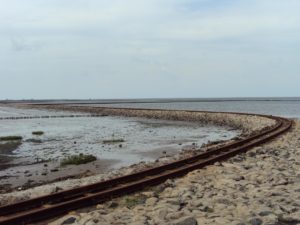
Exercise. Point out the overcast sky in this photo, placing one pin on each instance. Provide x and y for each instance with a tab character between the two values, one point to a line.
149	48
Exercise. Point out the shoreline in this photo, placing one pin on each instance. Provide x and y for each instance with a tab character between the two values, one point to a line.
247	123
239	121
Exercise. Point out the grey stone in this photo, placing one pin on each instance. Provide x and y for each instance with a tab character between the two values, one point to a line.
70	220
206	209
239	178
217	164
256	221
251	154
265	213
276	223
289	219
186	221
224	201
113	204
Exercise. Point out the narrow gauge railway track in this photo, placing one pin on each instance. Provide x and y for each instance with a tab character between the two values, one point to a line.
52	205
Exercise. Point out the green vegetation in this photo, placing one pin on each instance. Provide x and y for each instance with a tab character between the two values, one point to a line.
38	133
11	138
77	159
132	201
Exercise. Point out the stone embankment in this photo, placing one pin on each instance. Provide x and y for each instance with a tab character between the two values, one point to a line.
246	123
260	187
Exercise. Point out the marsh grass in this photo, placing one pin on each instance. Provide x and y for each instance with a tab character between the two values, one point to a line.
11	138
38	133
78	159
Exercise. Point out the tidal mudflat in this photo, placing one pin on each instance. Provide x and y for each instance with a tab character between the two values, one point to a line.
115	141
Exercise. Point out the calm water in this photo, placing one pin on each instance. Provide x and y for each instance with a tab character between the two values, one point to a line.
289	107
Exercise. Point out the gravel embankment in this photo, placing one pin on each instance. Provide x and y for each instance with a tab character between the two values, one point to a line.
247	124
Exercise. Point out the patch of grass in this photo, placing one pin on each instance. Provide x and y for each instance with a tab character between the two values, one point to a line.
113	141
133	201
77	159
11	138
38	133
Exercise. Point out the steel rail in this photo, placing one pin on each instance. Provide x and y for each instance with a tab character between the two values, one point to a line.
52	205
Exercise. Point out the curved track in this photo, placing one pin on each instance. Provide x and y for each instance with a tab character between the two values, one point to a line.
52	205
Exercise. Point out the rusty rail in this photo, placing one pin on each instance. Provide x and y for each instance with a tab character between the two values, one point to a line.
52	205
